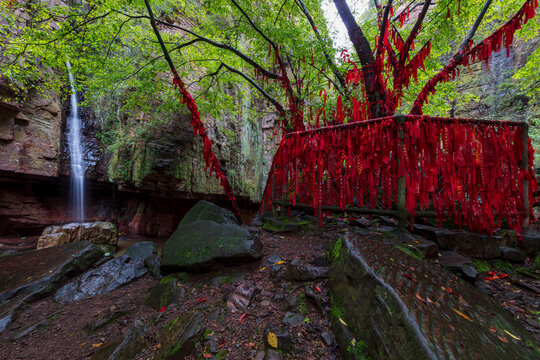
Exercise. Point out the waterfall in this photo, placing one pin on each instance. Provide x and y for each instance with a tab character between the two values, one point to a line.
75	152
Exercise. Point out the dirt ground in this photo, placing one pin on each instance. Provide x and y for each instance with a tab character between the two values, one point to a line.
49	330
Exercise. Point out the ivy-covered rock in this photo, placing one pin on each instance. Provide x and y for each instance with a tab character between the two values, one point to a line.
165	293
202	243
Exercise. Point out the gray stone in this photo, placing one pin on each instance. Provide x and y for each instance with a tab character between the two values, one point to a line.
240	298
512	254
458	264
203	243
141	250
102	280
477	245
531	242
361	222
152	263
293	319
28	275
327	338
443	237
99	232
273	355
260	355
205	210
275	272
297	271
283	337
271	260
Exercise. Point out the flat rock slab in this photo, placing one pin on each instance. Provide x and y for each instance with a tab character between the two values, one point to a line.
102	280
402	307
25	276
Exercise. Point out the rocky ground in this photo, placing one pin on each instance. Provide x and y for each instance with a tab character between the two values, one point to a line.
47	329
234	312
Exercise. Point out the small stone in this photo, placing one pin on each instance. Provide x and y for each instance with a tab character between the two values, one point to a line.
297	271
513	295
260	355
274	272
319	260
152	264
241	297
361	222
512	254
328	338
273	355
278	339
217	281
271	260
293	319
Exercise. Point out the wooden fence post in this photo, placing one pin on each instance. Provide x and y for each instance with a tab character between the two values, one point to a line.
525	166
401	188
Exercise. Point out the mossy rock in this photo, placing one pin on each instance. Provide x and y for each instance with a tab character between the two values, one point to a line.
179	336
205	210
165	293
202	243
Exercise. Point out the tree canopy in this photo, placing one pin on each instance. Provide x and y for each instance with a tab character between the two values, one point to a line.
222	45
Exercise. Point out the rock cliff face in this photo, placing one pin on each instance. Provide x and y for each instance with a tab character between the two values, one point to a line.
498	95
30	133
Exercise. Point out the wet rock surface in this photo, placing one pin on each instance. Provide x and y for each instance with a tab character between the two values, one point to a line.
102	280
99	232
28	275
429	312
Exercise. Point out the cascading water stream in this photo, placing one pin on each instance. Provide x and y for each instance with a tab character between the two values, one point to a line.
75	152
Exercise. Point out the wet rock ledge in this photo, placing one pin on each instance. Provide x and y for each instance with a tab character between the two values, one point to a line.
388	305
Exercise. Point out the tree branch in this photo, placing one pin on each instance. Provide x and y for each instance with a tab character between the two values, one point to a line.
255	85
225	47
329	60
414	32
252	23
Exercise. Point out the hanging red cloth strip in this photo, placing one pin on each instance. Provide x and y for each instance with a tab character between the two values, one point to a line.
211	160
463	169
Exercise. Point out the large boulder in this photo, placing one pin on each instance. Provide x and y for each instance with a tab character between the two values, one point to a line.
401	307
201	243
205	210
99	233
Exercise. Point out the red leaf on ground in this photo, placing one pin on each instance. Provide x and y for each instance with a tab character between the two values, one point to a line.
163	309
202	299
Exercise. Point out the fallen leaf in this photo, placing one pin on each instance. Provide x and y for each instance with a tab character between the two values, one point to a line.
449	290
221	345
343	322
242	319
408	276
272	340
503	339
97	345
158	346
419	298
512	335
318	289
163	309
251	344
263	268
492	329
462	315
451	327
84	343
280	262
202	299
206	355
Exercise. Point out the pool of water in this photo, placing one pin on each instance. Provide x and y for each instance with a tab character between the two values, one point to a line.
126	241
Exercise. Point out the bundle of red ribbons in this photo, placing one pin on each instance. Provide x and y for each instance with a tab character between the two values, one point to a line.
211	160
463	169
